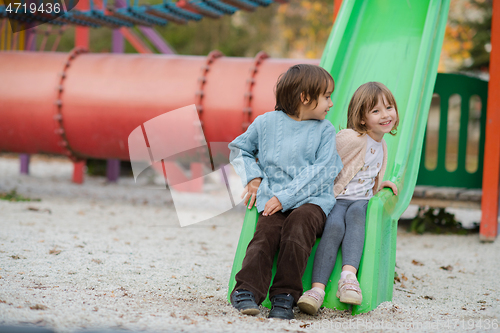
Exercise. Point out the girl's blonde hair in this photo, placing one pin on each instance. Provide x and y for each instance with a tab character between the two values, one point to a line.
364	100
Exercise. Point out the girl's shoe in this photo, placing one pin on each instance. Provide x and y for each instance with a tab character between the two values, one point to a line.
310	301
349	291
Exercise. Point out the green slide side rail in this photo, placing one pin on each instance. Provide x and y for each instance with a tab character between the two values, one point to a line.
397	43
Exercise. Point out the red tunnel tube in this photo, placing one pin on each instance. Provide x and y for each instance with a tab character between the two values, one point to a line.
103	97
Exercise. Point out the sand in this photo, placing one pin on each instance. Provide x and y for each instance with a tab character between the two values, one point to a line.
112	256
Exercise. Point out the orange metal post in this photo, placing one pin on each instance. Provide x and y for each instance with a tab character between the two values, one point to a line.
489	221
78	171
82	35
336	8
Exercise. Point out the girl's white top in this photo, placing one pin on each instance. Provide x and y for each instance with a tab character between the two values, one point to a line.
361	186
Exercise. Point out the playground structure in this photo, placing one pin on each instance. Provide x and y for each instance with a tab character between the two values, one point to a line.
80	116
462	100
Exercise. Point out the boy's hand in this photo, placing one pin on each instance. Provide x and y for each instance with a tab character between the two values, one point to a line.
251	189
391	185
272	206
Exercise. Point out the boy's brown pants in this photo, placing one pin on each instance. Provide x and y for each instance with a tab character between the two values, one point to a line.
294	233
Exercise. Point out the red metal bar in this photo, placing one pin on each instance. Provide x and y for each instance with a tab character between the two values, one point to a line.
46	34
185	5
82	39
78	171
58	38
82	34
336	8
136	42
489	221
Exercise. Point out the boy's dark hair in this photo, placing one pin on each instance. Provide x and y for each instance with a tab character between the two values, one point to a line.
309	80
364	99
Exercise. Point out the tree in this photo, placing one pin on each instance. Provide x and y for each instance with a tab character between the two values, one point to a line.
467	38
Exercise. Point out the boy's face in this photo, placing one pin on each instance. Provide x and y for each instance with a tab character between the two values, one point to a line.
318	109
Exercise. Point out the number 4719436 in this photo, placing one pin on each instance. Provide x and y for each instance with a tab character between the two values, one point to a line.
48	8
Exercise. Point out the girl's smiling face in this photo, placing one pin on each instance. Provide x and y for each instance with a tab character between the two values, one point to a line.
381	119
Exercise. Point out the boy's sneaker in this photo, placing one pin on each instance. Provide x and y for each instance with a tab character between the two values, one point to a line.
244	301
282	307
349	291
310	301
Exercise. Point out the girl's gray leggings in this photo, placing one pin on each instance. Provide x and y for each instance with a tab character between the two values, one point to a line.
345	224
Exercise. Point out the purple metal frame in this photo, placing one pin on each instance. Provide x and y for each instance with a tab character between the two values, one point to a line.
25	163
113	170
30	45
160	44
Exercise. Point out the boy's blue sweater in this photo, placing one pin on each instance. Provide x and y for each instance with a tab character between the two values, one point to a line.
297	160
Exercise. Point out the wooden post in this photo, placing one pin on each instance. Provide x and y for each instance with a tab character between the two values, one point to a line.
491	181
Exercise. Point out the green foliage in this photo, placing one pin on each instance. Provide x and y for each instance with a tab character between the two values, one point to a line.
14	196
442	222
479	54
96	167
481	39
239	35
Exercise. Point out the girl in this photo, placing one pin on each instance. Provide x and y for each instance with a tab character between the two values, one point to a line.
372	113
288	161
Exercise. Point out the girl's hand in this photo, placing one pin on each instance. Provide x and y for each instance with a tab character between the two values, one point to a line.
251	189
391	185
272	206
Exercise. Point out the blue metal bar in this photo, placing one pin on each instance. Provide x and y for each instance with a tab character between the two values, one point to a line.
221	6
146	15
142	18
264	3
205	9
160	11
180	11
242	4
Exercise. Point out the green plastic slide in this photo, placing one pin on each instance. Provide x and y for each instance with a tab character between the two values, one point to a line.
398	43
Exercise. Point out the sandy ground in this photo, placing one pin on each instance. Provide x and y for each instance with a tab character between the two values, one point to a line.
102	256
